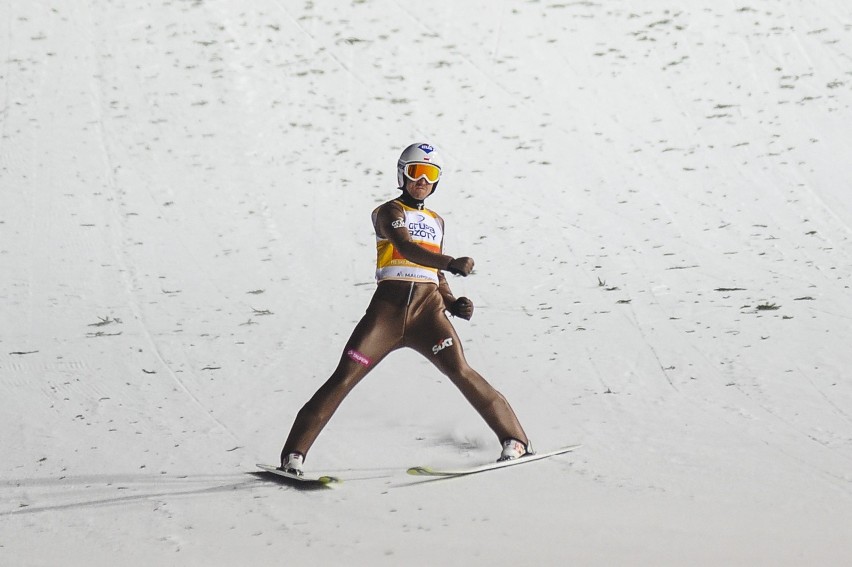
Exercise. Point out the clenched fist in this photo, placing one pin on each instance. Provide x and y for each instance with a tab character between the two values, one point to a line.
462	307
460	266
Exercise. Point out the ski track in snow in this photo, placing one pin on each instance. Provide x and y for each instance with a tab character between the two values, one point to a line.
656	201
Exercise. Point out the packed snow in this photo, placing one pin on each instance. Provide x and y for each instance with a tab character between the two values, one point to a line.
658	198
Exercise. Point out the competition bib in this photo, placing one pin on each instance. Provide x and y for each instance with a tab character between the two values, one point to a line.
425	231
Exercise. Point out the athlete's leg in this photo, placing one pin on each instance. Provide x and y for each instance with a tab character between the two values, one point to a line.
432	335
378	333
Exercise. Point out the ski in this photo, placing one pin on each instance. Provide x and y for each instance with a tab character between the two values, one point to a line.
318	481
439	472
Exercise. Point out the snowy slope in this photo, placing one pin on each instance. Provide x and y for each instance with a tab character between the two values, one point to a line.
658	200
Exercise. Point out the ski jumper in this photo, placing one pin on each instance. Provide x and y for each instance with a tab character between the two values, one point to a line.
408	309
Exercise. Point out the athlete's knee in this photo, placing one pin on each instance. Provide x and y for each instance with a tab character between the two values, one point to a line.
457	368
325	401
474	386
312	411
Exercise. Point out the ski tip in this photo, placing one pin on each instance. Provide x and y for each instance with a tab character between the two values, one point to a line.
418	471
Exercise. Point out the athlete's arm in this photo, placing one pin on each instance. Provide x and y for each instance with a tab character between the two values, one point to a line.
390	224
445	291
461	307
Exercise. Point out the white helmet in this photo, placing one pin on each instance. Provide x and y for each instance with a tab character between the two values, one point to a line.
418	153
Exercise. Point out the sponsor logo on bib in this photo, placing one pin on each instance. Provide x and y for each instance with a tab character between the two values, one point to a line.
422	230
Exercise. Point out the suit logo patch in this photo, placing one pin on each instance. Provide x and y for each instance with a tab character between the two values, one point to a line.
358	357
448	342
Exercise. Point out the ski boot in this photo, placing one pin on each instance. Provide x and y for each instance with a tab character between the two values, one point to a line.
292	464
514	449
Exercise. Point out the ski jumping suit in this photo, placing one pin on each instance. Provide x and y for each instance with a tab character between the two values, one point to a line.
407	310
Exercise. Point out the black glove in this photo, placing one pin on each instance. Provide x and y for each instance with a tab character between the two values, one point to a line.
460	266
462	307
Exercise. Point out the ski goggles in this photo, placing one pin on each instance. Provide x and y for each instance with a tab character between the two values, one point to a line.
428	171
